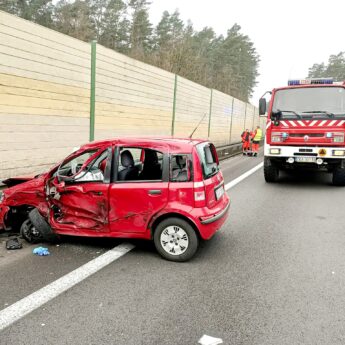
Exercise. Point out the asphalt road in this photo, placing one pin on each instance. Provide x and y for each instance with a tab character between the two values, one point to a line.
274	274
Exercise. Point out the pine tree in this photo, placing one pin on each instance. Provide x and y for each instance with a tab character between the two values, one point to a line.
110	22
38	11
140	28
334	69
74	19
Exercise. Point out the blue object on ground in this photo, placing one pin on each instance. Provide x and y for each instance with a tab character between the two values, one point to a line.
41	251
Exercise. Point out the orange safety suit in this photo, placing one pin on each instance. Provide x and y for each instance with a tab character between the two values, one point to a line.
245	141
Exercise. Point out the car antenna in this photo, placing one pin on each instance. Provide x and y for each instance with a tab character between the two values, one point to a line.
197	126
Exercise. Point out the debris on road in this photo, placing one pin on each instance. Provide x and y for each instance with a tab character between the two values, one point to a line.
41	251
207	340
13	243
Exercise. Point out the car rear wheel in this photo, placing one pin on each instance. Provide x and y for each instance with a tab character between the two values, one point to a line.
175	239
30	233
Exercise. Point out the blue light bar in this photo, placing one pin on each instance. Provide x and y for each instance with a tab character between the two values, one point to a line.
321	81
292	82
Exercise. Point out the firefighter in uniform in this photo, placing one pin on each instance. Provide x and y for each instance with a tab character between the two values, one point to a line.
245	141
256	137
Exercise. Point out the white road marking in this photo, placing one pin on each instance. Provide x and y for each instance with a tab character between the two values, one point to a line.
28	304
237	180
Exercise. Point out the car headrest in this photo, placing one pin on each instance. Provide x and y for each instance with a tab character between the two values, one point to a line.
151	157
127	159
103	165
180	161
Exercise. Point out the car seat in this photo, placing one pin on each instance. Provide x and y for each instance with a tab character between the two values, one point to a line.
130	171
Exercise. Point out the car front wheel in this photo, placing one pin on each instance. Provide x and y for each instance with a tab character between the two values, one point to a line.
175	239
30	233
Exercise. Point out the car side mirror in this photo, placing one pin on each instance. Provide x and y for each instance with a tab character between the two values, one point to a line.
262	107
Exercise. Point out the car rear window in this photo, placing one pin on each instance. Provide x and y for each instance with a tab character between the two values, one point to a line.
208	158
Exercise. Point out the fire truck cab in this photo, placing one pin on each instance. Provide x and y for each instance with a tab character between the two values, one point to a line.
305	128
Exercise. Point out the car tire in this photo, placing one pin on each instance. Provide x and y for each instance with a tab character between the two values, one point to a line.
338	177
175	239
42	226
30	233
271	171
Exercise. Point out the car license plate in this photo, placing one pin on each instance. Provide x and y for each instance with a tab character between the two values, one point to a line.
219	192
305	159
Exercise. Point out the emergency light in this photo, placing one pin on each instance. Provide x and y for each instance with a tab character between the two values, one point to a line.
310	81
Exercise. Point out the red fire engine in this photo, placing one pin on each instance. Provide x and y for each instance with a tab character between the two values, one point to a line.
305	128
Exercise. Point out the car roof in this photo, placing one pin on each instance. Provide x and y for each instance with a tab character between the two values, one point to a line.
174	145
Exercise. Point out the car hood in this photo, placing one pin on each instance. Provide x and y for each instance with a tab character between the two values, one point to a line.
13	181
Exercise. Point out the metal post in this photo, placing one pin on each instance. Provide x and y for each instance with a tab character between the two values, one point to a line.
93	91
209	115
174	108
231	119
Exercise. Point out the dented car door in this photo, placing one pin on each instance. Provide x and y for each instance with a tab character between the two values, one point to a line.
136	196
78	194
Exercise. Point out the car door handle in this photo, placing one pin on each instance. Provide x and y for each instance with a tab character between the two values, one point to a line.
97	193
155	192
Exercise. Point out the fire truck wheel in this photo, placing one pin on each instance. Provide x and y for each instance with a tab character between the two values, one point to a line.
339	177
271	172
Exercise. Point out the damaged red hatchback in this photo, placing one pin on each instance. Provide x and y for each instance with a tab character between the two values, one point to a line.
168	190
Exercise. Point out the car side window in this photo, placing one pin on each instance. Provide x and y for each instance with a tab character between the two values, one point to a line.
139	164
180	168
71	166
95	170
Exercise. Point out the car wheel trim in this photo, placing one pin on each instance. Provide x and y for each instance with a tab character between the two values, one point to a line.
174	240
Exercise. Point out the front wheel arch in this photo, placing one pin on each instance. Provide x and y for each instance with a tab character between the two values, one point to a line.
17	215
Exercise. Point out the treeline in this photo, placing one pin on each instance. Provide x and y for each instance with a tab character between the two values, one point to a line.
227	63
335	68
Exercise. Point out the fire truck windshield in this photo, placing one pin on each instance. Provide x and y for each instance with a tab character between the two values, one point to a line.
320	102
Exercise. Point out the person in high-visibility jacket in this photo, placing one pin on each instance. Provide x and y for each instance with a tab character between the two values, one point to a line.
256	137
245	141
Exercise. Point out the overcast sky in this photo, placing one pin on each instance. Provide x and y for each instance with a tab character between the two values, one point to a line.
290	36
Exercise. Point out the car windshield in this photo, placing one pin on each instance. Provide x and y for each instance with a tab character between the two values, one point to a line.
321	102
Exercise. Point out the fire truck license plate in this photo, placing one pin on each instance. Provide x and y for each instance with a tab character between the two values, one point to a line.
305	159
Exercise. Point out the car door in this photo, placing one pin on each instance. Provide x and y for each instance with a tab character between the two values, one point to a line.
132	203
79	194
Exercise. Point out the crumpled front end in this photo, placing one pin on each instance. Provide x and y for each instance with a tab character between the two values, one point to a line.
30	193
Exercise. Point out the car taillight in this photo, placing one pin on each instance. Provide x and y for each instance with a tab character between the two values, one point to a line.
199	194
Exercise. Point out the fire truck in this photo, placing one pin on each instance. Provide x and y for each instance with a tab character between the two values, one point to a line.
305	128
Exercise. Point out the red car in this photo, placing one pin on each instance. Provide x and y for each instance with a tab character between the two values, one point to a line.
168	190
